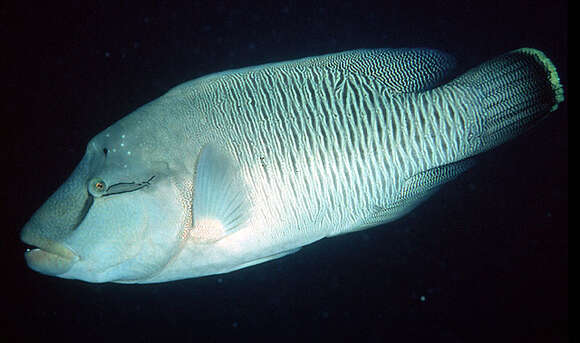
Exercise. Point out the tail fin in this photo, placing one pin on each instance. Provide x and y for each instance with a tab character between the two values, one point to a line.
512	93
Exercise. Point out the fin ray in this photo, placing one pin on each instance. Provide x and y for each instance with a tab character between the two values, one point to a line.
220	204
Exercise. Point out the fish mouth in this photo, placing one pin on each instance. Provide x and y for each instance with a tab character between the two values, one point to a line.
48	257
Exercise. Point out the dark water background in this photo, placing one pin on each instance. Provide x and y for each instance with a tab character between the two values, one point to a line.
486	259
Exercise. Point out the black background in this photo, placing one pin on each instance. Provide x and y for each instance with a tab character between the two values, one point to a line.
489	252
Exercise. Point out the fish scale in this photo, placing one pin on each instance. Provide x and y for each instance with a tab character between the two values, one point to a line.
338	132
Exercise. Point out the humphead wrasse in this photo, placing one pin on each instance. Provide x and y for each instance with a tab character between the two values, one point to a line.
244	166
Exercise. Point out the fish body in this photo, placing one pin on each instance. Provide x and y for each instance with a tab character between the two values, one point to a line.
243	166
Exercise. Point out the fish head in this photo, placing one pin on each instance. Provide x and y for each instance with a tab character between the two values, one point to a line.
117	217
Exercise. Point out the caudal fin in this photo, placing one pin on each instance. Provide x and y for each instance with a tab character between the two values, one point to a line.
511	93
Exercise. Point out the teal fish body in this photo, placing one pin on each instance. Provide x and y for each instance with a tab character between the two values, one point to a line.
244	166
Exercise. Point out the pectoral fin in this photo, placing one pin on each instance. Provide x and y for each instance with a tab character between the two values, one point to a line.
220	203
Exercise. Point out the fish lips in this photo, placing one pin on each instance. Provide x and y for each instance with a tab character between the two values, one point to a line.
47	263
50	258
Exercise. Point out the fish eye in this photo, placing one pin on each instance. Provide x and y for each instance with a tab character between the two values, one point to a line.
97	187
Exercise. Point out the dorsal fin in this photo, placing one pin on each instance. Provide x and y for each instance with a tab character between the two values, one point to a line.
400	70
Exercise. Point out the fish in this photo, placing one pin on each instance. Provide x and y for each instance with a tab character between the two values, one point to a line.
244	166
